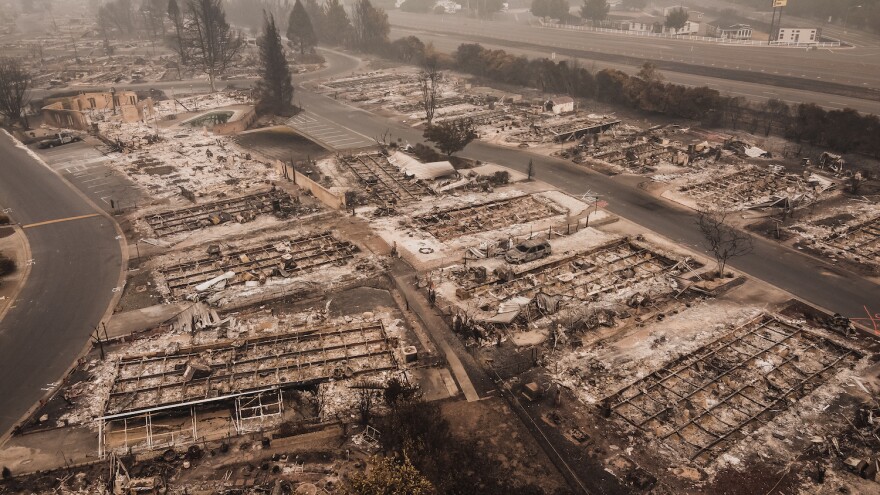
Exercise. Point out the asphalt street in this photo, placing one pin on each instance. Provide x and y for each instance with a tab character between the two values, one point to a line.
859	66
804	276
751	91
75	269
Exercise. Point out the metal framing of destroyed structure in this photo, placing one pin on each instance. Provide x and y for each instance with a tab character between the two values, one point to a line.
706	401
440	103
648	151
749	187
196	217
860	240
301	358
364	82
492	215
250	373
579	129
584	275
285	257
148	430
383	180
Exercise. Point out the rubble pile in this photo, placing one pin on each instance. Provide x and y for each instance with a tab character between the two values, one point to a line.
572	294
239	209
753	187
255	265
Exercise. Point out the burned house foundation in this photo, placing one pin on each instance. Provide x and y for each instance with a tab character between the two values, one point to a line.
705	402
240	209
283	257
250	375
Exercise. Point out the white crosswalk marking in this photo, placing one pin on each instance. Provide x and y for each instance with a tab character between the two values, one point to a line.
328	133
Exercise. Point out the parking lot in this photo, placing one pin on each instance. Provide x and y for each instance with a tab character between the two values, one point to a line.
89	170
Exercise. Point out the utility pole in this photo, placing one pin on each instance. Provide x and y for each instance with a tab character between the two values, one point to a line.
778	6
73	39
772	22
848	12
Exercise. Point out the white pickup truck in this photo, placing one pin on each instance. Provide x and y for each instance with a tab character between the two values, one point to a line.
59	139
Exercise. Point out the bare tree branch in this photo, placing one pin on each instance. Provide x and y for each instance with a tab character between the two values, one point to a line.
429	81
214	44
15	85
723	240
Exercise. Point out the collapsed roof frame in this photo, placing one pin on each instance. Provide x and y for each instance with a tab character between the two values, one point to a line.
735	365
296	255
151	439
455	222
860	239
303	358
362	82
385	181
606	262
188	219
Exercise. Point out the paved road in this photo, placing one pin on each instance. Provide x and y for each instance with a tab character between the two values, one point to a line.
859	66
815	281
751	91
76	266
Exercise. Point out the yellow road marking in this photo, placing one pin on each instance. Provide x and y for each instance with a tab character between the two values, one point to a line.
59	220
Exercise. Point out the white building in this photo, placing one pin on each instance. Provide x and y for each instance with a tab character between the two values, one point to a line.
735	32
560	104
640	24
690	28
798	35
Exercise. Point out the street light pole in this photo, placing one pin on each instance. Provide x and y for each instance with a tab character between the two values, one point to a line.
846	19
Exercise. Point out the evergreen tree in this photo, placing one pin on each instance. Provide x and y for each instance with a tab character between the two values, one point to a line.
677	18
315	12
451	136
336	23
370	26
595	10
274	89
299	29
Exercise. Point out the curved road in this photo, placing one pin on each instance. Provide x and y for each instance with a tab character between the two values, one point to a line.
76	266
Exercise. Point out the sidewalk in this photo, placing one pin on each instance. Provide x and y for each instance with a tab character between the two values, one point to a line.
403	278
139	320
51	449
14	245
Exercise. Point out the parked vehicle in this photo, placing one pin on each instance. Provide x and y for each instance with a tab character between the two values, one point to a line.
529	250
59	139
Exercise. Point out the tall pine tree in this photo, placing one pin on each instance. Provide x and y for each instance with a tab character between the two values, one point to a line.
337	26
274	89
299	29
370	26
316	13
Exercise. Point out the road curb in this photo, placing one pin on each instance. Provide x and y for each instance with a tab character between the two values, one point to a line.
114	301
26	270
